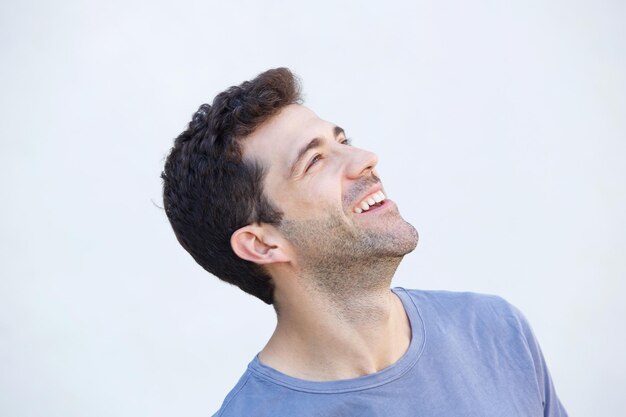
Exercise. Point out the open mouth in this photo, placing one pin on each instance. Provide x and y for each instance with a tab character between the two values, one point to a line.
371	202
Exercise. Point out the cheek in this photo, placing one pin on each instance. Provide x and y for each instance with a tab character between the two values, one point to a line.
322	192
308	200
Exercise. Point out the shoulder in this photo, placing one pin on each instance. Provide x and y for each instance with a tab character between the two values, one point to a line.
474	317
453	301
466	307
255	395
234	399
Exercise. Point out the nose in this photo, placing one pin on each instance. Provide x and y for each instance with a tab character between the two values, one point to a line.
361	162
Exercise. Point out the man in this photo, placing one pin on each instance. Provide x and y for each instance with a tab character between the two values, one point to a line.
269	197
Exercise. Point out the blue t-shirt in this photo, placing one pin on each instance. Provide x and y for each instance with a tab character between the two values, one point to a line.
470	355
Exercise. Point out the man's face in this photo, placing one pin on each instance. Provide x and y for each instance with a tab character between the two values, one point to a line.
323	186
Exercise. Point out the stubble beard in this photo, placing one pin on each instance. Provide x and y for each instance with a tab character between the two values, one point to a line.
343	262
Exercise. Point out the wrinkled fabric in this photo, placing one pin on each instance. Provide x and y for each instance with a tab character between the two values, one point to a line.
470	355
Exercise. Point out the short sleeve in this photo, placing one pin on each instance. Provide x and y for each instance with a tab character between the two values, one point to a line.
552	406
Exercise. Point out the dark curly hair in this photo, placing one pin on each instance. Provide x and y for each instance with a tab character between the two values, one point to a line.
209	191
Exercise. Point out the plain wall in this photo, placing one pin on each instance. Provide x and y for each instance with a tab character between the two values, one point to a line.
501	132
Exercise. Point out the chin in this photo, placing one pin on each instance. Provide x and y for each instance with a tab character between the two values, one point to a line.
406	238
411	243
397	241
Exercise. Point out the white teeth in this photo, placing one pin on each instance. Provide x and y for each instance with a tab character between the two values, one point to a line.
370	201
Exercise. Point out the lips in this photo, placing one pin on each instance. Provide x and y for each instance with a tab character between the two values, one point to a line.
372	200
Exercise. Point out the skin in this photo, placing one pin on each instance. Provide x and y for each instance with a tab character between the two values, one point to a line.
332	267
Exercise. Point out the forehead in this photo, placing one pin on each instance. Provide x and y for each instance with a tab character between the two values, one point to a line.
275	144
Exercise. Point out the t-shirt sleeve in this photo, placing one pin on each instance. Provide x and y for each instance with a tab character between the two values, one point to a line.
552	406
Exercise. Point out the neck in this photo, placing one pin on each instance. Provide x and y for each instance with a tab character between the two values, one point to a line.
355	327
354	294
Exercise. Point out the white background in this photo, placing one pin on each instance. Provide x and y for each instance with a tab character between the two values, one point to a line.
501	132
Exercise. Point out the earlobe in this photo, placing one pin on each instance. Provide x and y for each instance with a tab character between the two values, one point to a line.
252	244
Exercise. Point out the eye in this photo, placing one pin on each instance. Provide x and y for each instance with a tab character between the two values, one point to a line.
317	157
346	141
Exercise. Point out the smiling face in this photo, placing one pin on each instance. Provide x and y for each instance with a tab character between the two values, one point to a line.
335	208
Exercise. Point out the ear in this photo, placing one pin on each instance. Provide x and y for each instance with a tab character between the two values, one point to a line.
258	244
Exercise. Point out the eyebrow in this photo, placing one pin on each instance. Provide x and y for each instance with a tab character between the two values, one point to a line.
313	143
